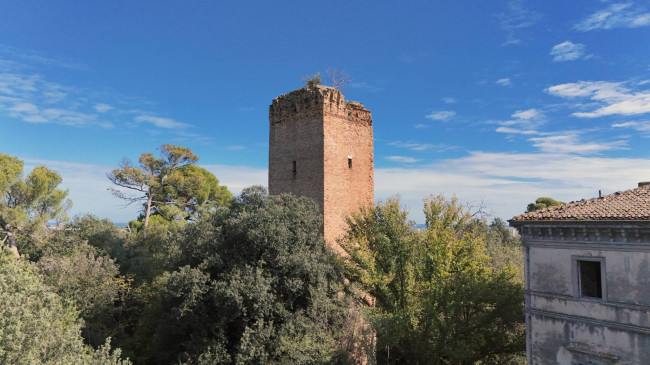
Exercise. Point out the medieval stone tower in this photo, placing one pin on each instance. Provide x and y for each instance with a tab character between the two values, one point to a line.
320	146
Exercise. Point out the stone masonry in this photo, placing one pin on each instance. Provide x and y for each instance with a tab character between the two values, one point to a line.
321	146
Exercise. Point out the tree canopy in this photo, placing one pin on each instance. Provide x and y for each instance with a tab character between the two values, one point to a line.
254	283
26	204
438	299
541	203
37	326
169	186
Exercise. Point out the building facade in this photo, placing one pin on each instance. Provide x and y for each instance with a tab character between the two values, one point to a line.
587	280
321	146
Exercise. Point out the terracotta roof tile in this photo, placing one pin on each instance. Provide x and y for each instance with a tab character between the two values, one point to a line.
631	204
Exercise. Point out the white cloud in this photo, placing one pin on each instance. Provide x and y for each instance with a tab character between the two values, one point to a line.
504	182
511	40
503	82
402	159
617	99
567	51
624	15
160	122
35	100
88	189
515	18
420	147
365	86
237	178
102	108
449	100
507	182
34	57
516	131
24	108
525	121
642	126
441	115
526	114
421	126
571	144
88	185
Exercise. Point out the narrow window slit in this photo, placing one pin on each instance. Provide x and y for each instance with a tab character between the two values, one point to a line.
349	163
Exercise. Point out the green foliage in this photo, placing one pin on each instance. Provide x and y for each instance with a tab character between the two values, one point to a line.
438	299
92	283
314	80
541	203
37	326
102	234
252	283
27	204
170	186
11	171
192	191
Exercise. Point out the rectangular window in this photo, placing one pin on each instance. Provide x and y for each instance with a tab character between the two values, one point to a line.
294	169
349	163
590	277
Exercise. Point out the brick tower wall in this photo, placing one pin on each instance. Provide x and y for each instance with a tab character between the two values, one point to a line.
296	134
349	173
331	141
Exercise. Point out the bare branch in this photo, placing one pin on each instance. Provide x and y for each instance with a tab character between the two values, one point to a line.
339	78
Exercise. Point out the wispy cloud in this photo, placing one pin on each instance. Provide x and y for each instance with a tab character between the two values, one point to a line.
624	15
88	185
568	51
571	144
514	18
449	100
441	115
507	182
160	122
88	188
102	108
237	178
616	98
509	130
642	127
422	147
402	159
365	86
524	122
32	57
32	99
504	81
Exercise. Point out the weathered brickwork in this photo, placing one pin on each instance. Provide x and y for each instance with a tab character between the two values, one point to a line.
321	146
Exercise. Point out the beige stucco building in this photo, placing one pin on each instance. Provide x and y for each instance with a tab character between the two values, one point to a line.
587	280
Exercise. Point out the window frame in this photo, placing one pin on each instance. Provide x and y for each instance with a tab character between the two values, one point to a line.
577	289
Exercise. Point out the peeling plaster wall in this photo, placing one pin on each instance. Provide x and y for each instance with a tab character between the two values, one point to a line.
563	328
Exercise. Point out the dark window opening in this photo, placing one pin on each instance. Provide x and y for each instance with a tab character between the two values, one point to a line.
590	279
294	168
349	163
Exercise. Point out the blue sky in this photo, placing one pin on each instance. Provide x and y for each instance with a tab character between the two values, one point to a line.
496	102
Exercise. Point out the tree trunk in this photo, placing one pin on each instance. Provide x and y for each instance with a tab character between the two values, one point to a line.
148	211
